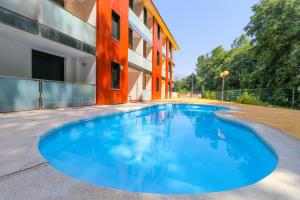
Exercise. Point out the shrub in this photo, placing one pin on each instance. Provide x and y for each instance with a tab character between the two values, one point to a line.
279	98
210	95
246	98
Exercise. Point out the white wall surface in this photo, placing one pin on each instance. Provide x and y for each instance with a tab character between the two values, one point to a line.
16	61
15	58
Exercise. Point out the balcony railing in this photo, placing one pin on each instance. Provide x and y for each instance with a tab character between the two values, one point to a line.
53	16
138	26
28	9
139	60
56	17
18	94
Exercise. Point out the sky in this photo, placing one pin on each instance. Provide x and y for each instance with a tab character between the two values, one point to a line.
198	26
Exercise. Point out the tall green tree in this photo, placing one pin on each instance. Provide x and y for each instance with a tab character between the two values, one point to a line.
275	29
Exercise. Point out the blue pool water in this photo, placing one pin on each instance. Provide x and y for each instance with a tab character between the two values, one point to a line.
168	149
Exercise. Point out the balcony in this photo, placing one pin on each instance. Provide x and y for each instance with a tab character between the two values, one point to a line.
138	26
164	51
45	18
57	18
139	61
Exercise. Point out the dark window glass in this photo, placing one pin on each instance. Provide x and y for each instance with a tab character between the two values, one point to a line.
157	84
47	67
170	67
158	59
131	4
59	2
145	16
145	49
144	81
130	39
158	32
115	75
170	49
115	26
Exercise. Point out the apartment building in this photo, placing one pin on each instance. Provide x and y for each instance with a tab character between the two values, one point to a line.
59	53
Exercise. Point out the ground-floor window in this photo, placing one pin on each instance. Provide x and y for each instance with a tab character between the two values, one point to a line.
115	75
47	67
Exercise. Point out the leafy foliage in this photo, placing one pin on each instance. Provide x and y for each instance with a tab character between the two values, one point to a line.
210	95
266	56
246	98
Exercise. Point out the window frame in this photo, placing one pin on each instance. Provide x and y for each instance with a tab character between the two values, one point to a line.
158	31
130	38
145	49
145	20
113	85
131	4
158	58
116	16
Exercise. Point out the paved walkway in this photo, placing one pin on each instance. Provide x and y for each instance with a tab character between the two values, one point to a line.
24	174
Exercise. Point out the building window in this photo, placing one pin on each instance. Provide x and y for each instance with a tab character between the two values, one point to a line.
158	31
47	67
59	2
144	81
130	39
158	59
115	26
115	75
145	16
131	4
157	84
169	67
145	49
170	49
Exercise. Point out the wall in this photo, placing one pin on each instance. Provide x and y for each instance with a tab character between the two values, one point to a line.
15	58
109	50
169	79
85	10
156	70
135	84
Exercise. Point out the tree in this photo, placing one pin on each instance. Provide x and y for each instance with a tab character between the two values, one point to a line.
275	29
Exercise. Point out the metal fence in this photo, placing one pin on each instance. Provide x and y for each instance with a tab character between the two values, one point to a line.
18	94
289	98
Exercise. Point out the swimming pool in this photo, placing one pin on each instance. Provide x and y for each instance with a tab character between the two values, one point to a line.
164	149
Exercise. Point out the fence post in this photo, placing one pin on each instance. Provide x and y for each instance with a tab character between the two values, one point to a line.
293	98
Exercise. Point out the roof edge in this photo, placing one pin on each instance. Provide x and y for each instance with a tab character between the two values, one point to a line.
154	11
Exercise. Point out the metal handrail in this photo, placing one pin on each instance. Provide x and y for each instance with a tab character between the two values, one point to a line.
43	80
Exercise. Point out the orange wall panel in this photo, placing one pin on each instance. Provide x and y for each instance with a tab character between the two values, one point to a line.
156	69
110	50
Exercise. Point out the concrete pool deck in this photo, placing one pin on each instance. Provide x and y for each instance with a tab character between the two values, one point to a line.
24	174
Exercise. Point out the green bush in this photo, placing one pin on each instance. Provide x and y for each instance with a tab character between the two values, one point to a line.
210	95
279	98
183	91
246	98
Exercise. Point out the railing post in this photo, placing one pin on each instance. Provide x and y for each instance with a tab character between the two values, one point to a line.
40	94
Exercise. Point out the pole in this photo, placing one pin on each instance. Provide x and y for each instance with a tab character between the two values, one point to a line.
192	83
223	86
